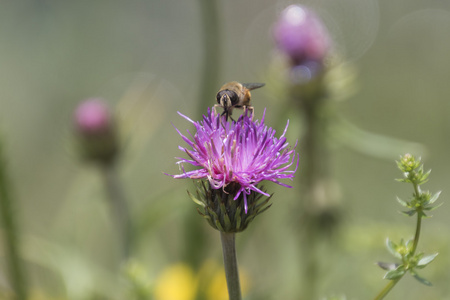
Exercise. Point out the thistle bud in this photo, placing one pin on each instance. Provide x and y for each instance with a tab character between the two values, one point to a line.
95	129
302	36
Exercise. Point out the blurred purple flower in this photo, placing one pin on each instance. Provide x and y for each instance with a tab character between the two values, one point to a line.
92	117
94	126
301	35
238	154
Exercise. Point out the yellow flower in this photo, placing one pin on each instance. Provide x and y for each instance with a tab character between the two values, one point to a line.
178	282
34	294
217	288
212	275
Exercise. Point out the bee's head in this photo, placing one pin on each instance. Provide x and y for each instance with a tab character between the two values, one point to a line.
227	98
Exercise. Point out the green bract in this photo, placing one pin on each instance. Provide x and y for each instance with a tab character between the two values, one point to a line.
223	212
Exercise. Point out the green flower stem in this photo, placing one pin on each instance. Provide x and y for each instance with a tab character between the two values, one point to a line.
417	234
387	289
392	283
230	263
119	208
210	18
313	147
11	235
315	172
419	220
209	77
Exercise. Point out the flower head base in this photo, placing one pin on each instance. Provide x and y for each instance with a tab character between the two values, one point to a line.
235	156
225	213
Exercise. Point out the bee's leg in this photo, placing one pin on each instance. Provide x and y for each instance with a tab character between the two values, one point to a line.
245	108
227	113
250	109
221	115
253	111
215	108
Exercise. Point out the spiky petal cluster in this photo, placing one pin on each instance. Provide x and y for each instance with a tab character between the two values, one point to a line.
245	152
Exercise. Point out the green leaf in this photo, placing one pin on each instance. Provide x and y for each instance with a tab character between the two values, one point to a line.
395	274
409	213
425	216
387	266
434	198
424	177
402	203
421	279
403	180
430	208
409	243
392	247
426	260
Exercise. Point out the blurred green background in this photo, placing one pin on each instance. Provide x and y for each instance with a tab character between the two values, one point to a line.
146	59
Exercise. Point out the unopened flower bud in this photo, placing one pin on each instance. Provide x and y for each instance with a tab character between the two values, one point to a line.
94	126
408	163
302	36
92	117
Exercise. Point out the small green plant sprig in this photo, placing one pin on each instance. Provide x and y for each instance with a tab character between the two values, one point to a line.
420	203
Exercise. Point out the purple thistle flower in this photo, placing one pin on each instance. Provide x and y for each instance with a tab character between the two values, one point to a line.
302	36
237	154
92	117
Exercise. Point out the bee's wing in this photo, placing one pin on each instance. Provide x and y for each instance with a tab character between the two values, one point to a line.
252	86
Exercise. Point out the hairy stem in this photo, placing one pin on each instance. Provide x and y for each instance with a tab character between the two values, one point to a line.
387	289
119	208
417	234
417	193
211	53
230	264
315	172
11	234
209	77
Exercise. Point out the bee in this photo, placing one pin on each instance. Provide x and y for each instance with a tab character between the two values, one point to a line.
236	95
